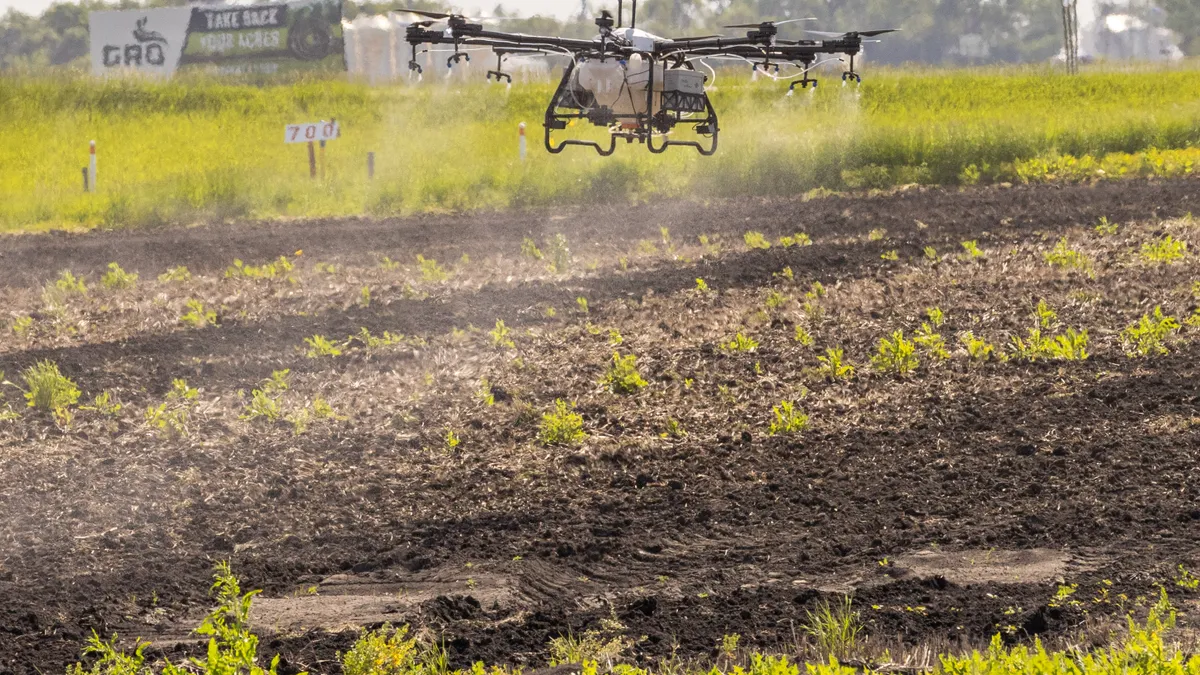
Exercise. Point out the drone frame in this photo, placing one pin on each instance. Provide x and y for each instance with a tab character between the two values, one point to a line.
571	103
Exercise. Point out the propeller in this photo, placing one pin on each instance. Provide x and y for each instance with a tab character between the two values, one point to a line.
763	24
853	33
421	12
696	37
441	16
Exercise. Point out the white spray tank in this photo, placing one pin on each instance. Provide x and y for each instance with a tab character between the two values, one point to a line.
604	79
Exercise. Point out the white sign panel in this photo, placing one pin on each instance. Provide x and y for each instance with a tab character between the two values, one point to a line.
307	133
148	41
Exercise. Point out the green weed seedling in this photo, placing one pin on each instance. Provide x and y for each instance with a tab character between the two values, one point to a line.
22	324
1070	346
622	376
116	278
484	393
530	250
877	234
775	300
325	268
673	430
897	355
936	316
931	254
48	390
740	343
1105	228
265	400
977	349
319	345
387	264
561	427
102	403
930	342
803	337
1062	255
559	253
1147	336
170	418
615	338
431	271
197	316
711	247
278	269
175	274
1045	315
799	239
788	420
785	273
1164	251
500	335
971	249
582	303
364	297
756	240
68	284
701	285
890	256
369	341
834	367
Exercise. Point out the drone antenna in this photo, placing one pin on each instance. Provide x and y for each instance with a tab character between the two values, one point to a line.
620	13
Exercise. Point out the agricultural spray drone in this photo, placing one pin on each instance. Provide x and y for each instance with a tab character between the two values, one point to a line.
638	85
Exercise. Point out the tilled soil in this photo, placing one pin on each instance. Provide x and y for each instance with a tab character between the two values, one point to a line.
953	502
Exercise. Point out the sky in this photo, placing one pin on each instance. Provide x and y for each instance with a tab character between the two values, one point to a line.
561	8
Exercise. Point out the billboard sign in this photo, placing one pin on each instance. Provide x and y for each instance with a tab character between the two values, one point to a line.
223	39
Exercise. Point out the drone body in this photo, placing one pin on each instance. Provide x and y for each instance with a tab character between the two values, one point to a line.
638	85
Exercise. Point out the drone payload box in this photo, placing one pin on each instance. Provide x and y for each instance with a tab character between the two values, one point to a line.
683	81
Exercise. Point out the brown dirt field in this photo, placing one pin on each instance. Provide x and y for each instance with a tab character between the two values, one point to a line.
952	502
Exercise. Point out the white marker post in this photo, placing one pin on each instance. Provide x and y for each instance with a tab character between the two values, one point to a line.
521	141
92	167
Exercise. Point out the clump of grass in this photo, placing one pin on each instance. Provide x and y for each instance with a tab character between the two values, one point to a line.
561	427
530	250
803	337
48	390
319	345
877	234
971	249
890	256
116	278
68	284
383	651
895	355
265	400
979	350
277	269
197	316
431	271
1165	251
740	343
835	628
788	420
756	240
603	646
1105	228
798	239
21	324
622	376
931	342
1069	346
1147	336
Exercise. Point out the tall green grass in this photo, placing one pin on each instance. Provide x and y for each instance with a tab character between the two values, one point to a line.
198	149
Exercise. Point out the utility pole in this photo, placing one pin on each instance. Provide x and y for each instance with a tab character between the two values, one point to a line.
1071	35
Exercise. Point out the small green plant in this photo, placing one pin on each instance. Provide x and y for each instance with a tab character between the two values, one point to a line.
896	355
484	393
561	427
559	253
116	278
1070	346
48	390
319	345
265	400
364	297
68	284
175	274
22	324
799	239
431	271
170	418
386	263
977	349
500	335
891	256
930	342
835	628
385	651
1185	579
936	316
452	439
614	337
582	303
971	249
530	250
1062	255
325	268
1105	228
729	646
775	299
711	247
701	285
622	376
756	240
740	343
1045	315
597	648
803	337
197	316
834	367
673	430
1146	337
931	254
281	268
877	234
788	420
102	403
785	273
369	341
1166	250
